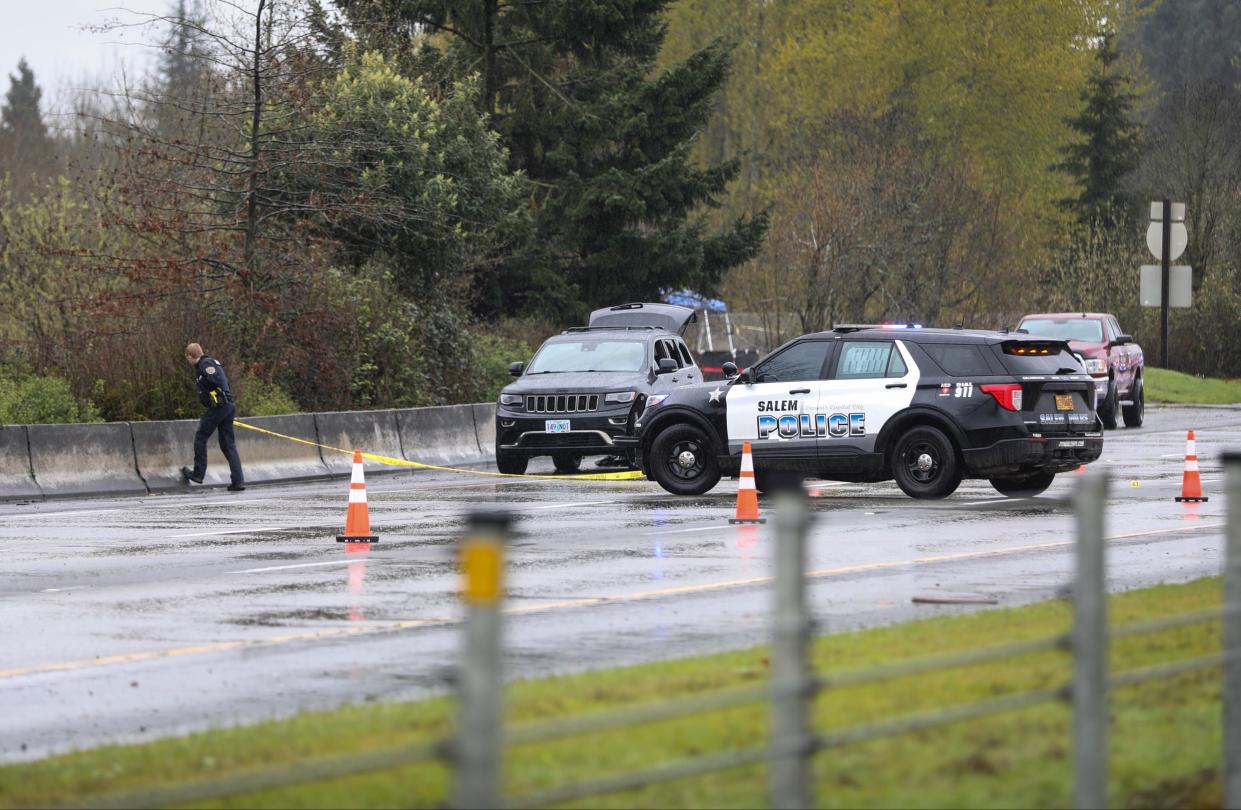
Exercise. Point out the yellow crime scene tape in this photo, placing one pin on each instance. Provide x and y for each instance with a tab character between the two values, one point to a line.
628	475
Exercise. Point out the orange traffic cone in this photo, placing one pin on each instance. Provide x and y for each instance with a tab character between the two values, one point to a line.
358	518
1191	481
747	495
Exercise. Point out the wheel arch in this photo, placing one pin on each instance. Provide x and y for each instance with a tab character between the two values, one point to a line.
679	416
914	417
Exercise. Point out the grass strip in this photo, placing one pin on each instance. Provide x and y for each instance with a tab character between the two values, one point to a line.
1176	388
1165	735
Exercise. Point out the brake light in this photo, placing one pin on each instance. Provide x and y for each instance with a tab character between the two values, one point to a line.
1007	394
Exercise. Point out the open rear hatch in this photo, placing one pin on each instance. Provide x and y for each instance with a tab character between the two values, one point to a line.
670	317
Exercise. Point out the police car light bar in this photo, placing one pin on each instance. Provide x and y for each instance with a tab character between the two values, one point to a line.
856	327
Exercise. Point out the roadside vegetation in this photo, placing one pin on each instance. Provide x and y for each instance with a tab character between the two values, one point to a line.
1176	388
420	192
1165	736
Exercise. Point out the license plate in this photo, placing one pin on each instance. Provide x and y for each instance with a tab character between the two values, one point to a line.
1073	444
1064	402
557	426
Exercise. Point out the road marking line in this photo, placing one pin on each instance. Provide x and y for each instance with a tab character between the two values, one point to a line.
297	565
991	500
570	505
590	601
685	531
254	530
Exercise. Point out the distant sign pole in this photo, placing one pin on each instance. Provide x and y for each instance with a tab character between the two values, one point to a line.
1166	237
1164	285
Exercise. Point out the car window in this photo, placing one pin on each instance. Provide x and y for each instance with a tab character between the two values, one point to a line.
589	355
958	359
688	362
896	365
864	360
1115	328
801	361
1090	331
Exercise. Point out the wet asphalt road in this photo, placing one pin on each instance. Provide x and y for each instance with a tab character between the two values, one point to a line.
126	619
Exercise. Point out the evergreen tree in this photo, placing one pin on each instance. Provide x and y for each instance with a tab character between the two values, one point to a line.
180	86
25	147
1110	148
604	140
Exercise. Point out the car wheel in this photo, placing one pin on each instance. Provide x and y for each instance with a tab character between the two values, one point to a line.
924	463
1107	408
683	461
1135	413
1024	486
567	462
511	463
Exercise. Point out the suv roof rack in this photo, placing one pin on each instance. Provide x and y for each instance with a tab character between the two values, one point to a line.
646	328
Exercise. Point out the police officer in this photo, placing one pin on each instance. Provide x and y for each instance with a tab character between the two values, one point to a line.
217	398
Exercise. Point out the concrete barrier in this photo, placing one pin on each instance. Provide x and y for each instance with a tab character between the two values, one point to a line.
443	436
16	480
162	448
370	431
485	428
94	459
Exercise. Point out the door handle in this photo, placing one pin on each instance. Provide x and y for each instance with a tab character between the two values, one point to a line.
800	391
896	385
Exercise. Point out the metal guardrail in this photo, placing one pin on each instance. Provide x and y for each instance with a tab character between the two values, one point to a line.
475	752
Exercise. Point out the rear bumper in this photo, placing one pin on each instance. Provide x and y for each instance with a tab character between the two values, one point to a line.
1018	456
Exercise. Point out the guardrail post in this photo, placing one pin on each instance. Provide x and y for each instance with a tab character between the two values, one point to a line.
1232	635
792	688
1090	648
480	700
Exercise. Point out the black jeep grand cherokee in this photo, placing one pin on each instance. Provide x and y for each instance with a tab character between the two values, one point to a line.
926	407
580	393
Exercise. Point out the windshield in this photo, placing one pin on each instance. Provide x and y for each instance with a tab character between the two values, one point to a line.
1068	329
589	355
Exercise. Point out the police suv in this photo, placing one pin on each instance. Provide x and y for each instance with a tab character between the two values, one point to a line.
582	391
926	407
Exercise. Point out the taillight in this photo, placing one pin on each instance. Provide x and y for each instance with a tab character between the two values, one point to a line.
1007	394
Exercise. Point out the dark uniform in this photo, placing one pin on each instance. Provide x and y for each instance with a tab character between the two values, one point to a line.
217	398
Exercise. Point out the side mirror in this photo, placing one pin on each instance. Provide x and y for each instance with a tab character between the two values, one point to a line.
516	368
1122	340
746	376
667	365
730	369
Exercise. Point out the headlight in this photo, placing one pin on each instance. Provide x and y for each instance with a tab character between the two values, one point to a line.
652	401
510	399
1095	366
621	397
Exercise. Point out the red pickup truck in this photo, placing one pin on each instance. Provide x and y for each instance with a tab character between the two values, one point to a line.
1111	357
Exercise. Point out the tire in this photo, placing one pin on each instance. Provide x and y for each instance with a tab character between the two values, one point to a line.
1108	407
1135	413
567	463
511	463
1024	486
683	461
924	464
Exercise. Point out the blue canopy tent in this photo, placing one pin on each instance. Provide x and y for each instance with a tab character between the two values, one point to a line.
689	298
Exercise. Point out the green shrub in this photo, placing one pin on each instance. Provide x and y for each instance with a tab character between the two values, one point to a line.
492	354
261	398
42	400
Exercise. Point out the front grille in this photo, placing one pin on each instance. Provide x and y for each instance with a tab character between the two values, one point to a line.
562	403
563	440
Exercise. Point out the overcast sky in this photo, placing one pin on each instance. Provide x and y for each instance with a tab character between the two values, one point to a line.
52	35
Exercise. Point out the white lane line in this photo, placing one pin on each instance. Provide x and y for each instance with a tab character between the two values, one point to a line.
252	530
685	531
570	505
990	500
297	565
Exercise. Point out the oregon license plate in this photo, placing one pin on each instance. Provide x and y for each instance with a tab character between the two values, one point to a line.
1064	402
557	426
